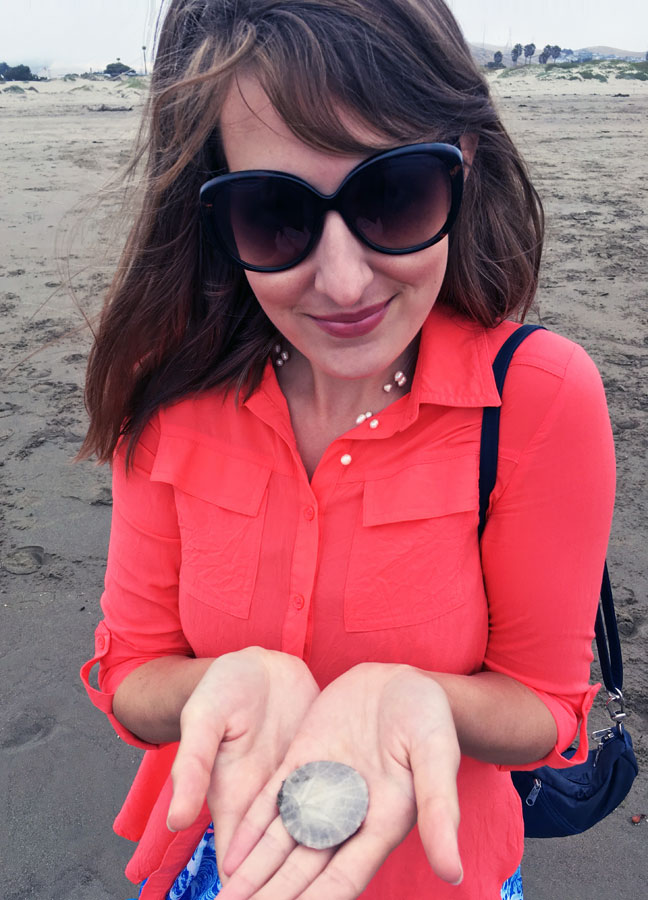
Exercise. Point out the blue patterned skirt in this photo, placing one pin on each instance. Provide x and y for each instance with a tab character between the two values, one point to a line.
199	879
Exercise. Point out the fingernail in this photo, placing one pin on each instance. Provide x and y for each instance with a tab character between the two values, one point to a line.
172	830
459	880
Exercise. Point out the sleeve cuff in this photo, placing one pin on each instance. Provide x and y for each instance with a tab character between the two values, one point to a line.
102	700
571	726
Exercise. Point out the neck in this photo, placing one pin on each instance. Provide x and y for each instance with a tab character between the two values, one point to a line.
339	402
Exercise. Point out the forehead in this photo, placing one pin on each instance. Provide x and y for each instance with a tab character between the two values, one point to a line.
255	136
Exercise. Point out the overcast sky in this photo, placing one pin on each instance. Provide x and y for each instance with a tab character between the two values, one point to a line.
77	35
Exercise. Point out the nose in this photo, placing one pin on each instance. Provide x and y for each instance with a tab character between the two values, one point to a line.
342	270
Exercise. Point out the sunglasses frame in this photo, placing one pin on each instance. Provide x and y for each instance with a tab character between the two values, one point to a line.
448	154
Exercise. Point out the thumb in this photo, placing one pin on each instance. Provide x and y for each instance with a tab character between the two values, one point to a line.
434	770
191	772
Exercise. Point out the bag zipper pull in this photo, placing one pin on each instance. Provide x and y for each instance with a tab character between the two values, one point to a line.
533	793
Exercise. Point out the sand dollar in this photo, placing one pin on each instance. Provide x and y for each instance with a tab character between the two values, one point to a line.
323	803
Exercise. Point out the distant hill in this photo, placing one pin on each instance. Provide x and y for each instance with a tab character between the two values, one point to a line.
614	51
483	53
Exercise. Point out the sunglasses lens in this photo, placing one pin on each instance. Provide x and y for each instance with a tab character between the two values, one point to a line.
265	222
400	202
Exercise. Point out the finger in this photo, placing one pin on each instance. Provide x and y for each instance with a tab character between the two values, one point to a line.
438	822
271	850
297	873
231	794
255	823
192	768
351	868
228	805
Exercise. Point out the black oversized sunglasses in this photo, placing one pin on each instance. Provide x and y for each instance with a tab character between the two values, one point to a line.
399	201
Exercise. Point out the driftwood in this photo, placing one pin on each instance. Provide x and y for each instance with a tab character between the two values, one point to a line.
105	108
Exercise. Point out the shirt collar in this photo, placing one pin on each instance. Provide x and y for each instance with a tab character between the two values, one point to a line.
454	368
454	365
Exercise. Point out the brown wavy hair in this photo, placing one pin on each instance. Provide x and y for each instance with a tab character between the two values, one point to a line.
180	318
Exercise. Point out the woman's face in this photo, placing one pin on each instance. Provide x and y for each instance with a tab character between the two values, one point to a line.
348	309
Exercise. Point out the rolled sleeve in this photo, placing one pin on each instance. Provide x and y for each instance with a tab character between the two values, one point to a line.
102	698
140	601
544	547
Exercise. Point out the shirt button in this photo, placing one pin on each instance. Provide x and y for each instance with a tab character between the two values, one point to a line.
298	601
101	643
346	459
374	423
309	513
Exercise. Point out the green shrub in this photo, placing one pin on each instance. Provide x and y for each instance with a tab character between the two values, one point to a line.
134	83
513	71
637	76
587	74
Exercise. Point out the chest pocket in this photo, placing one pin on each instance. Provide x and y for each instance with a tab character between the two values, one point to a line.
221	503
418	531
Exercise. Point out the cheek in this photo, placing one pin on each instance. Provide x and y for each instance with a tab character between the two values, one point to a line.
424	270
276	292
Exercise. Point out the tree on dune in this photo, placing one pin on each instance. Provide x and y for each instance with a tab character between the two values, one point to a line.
116	68
529	50
497	61
516	53
550	51
17	73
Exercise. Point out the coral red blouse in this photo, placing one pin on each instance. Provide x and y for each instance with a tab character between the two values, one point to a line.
219	541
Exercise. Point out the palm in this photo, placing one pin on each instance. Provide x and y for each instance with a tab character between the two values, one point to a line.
388	722
236	728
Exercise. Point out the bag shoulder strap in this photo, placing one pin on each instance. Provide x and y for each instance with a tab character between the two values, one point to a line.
489	446
607	634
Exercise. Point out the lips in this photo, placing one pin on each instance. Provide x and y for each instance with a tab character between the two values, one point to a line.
353	324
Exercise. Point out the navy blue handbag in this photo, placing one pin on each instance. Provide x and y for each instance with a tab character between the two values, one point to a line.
560	802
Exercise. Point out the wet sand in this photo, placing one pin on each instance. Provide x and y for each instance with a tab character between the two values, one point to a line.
63	773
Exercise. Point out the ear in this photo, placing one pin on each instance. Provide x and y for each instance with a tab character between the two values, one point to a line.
468	146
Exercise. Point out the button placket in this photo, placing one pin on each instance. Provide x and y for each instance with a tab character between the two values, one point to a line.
302	576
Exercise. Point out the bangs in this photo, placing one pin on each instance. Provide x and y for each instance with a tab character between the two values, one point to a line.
326	74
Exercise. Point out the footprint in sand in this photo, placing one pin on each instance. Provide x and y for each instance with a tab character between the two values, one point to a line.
23	560
28	728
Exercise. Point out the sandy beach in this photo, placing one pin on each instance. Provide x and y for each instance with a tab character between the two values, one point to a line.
63	773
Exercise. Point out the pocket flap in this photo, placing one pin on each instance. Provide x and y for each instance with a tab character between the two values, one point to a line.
424	491
210	473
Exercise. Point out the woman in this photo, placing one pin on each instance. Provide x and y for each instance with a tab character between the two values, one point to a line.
289	375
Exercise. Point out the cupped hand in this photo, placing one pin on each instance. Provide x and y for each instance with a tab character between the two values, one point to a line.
394	725
235	730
